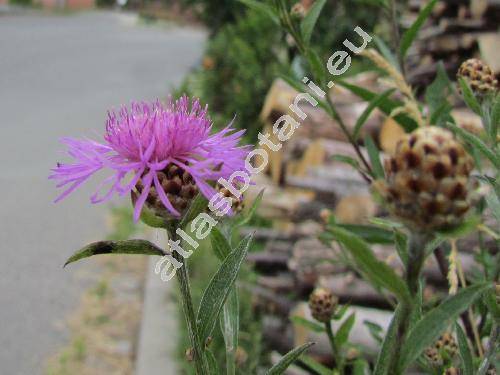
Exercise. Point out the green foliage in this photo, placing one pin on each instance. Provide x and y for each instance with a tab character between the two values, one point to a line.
377	272
115	247
410	34
218	289
435	322
288	359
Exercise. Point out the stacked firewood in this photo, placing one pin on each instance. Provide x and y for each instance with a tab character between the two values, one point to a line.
303	183
455	31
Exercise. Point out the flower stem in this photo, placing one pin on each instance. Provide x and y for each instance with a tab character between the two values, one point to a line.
335	352
416	257
187	305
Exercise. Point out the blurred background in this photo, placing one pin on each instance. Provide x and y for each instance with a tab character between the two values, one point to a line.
64	63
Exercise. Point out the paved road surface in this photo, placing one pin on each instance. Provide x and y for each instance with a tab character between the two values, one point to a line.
58	76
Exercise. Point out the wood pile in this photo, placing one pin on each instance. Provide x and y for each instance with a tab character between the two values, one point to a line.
455	31
302	181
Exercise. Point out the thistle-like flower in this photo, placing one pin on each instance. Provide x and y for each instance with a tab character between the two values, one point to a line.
161	154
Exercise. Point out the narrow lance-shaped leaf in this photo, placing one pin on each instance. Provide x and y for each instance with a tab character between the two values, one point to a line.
263	8
220	244
315	366
469	97
251	211
309	21
288	359
344	330
374	103
374	155
375	270
230	323
218	289
428	329
478	144
386	106
465	353
116	247
388	345
410	34
309	324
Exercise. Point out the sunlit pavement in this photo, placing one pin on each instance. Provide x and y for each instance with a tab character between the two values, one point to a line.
58	76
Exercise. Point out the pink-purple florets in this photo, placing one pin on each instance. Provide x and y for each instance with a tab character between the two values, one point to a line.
140	141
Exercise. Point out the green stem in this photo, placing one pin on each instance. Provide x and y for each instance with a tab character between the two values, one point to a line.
416	257
337	356
187	305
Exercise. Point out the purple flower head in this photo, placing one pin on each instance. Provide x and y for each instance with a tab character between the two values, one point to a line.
141	141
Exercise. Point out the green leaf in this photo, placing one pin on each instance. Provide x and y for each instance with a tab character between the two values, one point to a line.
428	329
375	330
375	270
388	345
370	233
436	96
374	154
230	325
468	226
410	34
478	144
198	205
316	65
116	247
245	219
341	312
288	359
318	368
386	106
342	334
465	353
469	97
347	160
292	82
374	103
495	117
494	205
386	223
360	367
264	9
218	289
309	21
310	325
213	367
220	244
401	242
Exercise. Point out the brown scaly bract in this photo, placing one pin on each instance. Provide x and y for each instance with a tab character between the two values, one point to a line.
427	181
322	304
479	76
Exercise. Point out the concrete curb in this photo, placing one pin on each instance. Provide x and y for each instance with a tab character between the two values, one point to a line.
158	337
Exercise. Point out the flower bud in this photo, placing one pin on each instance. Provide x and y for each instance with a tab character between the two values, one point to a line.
428	181
479	76
322	304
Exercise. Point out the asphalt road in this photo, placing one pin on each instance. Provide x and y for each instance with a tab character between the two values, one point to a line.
58	76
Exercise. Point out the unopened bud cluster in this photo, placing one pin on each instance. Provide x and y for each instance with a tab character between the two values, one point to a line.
322	304
427	181
479	76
